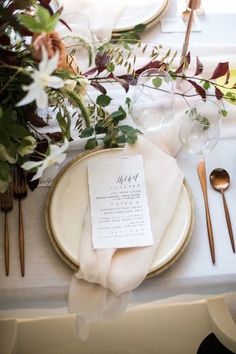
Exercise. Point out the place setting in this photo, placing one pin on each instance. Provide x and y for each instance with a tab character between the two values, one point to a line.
113	115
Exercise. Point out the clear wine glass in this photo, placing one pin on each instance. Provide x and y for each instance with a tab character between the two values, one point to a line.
78	38
152	104
200	127
199	133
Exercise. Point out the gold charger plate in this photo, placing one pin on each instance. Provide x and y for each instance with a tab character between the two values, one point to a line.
67	202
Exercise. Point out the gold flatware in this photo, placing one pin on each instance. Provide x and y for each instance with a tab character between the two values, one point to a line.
220	181
201	168
193	5
20	192
6	206
186	13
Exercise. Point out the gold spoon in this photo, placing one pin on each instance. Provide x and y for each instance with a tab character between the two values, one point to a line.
220	181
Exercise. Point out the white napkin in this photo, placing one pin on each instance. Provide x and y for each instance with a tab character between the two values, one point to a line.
102	15
100	289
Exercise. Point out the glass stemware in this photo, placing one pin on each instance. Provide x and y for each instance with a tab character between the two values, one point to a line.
199	133
152	105
78	38
200	127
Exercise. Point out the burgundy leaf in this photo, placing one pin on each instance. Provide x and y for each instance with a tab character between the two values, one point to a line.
101	61
131	79
227	77
44	3
200	90
199	67
11	8
57	136
188	58
65	24
218	93
4	40
42	148
123	83
220	70
14	5
90	72
98	87
24	31
179	69
37	121
32	184
157	64
50	10
9	57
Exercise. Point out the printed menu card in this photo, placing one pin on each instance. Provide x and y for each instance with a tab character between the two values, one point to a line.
119	204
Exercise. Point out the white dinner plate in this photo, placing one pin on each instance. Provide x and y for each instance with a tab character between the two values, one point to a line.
67	203
140	11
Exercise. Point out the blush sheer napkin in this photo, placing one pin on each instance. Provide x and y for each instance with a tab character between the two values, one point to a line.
101	287
102	15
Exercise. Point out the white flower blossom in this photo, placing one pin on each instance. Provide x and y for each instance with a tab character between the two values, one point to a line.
56	155
42	78
79	85
82	86
70	84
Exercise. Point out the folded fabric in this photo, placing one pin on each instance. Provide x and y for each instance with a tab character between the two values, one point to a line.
100	289
102	16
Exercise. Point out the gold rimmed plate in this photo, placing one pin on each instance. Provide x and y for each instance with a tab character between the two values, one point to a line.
141	11
67	203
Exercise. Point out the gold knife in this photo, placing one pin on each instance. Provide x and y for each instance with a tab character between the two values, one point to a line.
201	169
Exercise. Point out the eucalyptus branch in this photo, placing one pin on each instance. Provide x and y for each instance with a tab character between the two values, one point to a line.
184	77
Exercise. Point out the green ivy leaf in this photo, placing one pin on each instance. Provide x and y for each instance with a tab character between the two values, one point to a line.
110	140
128	102
86	132
110	67
103	100
131	140
224	112
118	115
139	28
99	127
121	139
128	130
91	144
157	82
206	85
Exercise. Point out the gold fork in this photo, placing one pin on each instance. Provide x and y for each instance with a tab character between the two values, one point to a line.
20	192
199	11
6	207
